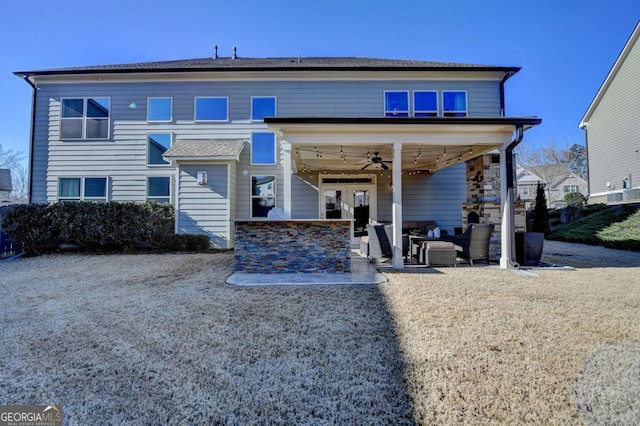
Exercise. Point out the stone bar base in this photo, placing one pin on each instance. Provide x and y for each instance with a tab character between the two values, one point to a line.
284	246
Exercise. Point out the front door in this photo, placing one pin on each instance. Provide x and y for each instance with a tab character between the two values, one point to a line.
349	201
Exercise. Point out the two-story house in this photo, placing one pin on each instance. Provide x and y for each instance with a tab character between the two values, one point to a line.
558	181
233	138
612	130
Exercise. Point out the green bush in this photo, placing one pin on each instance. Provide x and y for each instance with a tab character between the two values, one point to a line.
540	212
574	199
112	226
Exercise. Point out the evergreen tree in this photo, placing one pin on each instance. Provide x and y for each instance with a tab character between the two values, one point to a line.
540	212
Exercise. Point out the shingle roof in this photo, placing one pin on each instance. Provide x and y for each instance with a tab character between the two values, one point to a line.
203	149
5	180
274	64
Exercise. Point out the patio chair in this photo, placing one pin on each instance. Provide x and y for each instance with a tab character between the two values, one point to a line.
378	244
474	242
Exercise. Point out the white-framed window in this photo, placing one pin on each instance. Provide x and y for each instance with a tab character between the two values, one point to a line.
570	188
85	118
396	103
158	144
159	109
263	148
425	103
211	108
263	106
159	189
454	103
525	190
82	189
263	195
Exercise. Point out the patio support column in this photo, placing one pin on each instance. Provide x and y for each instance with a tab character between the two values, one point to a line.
286	176
398	261
507	247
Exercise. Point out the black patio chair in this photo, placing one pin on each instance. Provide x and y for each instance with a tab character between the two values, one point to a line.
474	242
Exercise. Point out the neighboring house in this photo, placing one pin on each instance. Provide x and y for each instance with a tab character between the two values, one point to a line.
612	130
232	138
5	187
558	181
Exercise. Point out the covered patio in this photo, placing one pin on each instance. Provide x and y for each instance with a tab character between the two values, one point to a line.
397	148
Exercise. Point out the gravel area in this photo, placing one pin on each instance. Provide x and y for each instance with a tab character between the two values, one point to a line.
161	339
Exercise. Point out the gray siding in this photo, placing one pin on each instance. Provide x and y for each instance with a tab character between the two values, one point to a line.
429	197
614	129
204	209
123	156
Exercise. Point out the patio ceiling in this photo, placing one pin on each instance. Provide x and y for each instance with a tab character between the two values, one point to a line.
428	144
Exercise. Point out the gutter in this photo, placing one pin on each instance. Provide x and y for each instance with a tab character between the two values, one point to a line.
32	135
507	76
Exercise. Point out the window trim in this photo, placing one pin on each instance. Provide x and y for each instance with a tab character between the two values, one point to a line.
525	190
384	104
85	100
252	197
146	190
83	196
170	111
466	104
275	150
195	109
570	186
275	107
167	164
416	111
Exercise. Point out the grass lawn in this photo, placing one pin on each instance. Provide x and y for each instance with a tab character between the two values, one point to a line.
161	339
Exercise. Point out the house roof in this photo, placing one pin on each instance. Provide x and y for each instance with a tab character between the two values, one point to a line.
210	149
272	64
5	180
612	73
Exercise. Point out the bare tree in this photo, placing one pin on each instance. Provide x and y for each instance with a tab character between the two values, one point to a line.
19	177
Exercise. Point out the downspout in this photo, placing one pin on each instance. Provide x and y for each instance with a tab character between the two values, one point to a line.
507	231
506	77
32	134
585	127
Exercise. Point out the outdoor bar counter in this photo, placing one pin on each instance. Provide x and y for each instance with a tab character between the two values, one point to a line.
292	245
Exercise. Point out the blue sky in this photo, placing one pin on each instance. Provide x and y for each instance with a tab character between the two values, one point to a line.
565	48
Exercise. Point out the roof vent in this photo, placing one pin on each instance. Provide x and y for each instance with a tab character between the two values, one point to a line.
235	56
215	52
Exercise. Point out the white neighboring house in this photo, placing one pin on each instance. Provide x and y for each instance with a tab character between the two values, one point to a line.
5	187
612	130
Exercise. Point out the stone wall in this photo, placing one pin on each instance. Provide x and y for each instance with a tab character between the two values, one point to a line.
281	246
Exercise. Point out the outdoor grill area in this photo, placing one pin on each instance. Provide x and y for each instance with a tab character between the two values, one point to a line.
287	246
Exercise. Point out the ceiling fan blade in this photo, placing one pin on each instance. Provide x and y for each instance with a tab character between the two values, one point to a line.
363	161
365	166
384	166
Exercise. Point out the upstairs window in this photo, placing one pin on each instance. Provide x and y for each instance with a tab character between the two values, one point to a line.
85	189
159	109
85	118
570	188
454	104
263	195
425	104
263	148
396	104
157	144
262	107
159	189
211	109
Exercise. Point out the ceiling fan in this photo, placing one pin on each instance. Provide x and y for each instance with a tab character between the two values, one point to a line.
375	161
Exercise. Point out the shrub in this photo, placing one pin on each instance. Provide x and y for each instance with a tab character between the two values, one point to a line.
187	242
94	226
574	199
540	212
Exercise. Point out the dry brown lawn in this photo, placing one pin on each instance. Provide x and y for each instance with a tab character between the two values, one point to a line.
161	339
